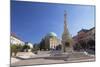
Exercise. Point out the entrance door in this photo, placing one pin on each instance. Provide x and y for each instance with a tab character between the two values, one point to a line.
67	44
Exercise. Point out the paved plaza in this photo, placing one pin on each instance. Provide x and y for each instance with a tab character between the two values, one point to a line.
45	57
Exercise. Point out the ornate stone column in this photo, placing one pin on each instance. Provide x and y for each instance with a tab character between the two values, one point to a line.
66	38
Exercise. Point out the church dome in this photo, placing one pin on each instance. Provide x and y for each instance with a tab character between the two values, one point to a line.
52	34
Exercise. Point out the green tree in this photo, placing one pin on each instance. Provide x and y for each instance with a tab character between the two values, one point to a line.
26	47
91	44
42	44
83	44
59	47
20	48
77	47
14	49
36	46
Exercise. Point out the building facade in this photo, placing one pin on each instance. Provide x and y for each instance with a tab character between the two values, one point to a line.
14	40
85	40
85	35
51	40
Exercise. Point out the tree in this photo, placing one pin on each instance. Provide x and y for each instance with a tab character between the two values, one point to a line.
91	44
26	47
36	46
83	44
42	44
20	47
14	49
77	47
58	47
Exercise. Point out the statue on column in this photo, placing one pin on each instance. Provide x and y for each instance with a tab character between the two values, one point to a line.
66	38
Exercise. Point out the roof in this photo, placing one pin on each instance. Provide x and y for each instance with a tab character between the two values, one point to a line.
86	30
52	34
92	28
83	30
14	35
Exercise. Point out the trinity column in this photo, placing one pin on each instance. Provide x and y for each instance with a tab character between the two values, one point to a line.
66	38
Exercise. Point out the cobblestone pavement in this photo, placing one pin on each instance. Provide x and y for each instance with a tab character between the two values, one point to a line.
75	57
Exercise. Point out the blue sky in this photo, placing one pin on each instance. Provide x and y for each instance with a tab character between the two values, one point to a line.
32	20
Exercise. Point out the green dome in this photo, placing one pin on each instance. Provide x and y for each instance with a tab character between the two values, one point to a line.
52	34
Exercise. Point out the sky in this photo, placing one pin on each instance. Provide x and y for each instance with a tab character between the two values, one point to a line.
31	21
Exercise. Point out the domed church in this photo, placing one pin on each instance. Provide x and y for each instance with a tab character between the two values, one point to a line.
51	40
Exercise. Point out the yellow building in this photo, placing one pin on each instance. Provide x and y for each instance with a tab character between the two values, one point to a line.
51	40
